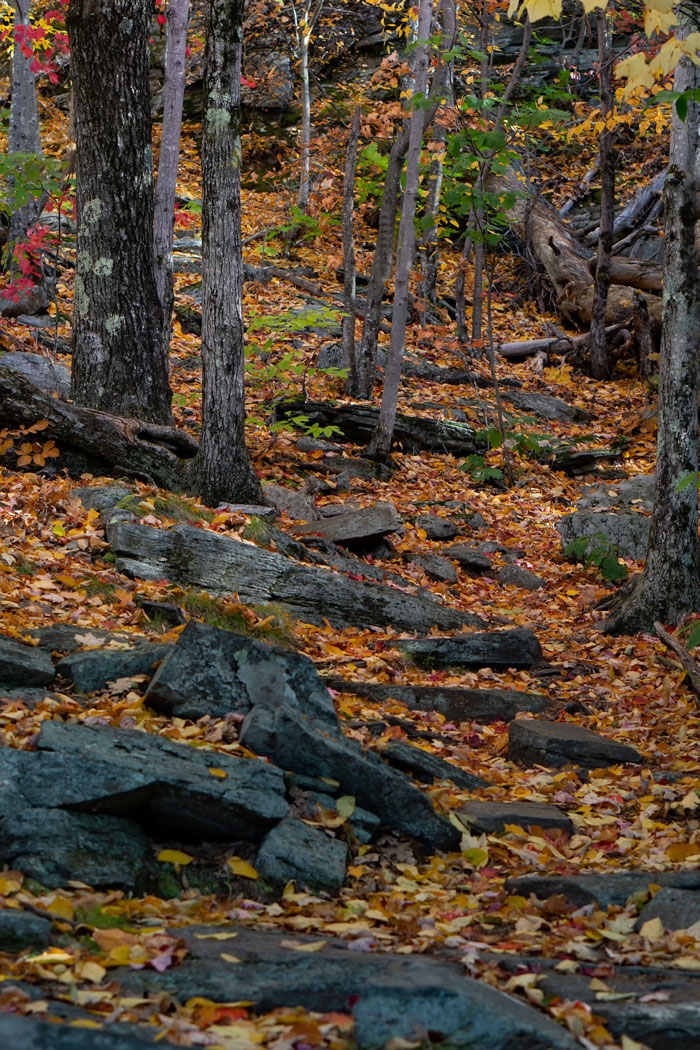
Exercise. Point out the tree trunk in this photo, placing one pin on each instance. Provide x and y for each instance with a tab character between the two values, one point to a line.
23	134
380	444
304	176
668	588
599	352
173	94
224	468
119	361
349	356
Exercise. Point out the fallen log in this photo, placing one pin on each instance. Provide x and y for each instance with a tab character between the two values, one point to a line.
159	453
222	565
636	273
688	663
552	344
357	423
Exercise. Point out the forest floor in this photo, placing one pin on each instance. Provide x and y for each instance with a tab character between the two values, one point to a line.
53	569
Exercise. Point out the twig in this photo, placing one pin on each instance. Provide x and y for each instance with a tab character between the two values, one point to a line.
689	665
43	913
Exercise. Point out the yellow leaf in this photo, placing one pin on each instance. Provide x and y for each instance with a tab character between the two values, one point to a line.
223	936
346	806
422	534
62	907
174	856
679	851
119	956
52	956
543	9
10	882
653	930
476	857
309	946
215	772
687	962
58	529
230	958
636	71
242	868
85	1022
590	5
90	971
630	1044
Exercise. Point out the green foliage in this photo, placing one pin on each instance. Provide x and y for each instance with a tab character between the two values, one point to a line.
169	506
599	551
27	176
295	320
301	422
371	170
231	616
694	636
476	466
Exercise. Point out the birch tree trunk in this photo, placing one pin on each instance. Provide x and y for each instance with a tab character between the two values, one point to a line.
668	588
177	19
349	357
119	361
380	444
599	353
23	134
223	465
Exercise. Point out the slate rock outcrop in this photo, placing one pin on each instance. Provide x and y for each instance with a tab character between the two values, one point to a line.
498	649
532	741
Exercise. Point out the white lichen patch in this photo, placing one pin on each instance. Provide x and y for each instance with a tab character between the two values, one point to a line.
103	266
126	26
113	324
81	300
217	119
92	211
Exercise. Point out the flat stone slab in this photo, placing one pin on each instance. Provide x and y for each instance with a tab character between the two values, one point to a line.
93	669
213	672
392	996
100	497
437	568
517	576
614	887
498	649
546	406
20	930
469	558
625	533
24	665
435	527
677	908
295	851
457	705
39	370
294	743
67	638
428	767
637	491
358	526
31	1033
493	816
535	742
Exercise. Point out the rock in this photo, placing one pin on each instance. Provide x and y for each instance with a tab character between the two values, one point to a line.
24	665
362	822
435	527
31	1033
457	705
625	534
428	767
20	930
211	671
637	491
358	527
434	566
167	787
555	744
311	444
55	847
678	909
517	576
67	638
574	461
313	859
498	649
297	504
95	668
546	406
476	521
493	816
469	558
613	887
101	497
163	612
252	510
28	695
223	565
352	466
394	996
294	743
54	378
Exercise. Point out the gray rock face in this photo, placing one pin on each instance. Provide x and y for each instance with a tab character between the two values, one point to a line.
638	492
546	406
101	497
427	767
678	909
293	850
358	526
94	668
166	786
515	648
29	1033
435	527
213	672
55	378
469	558
626	533
20	930
53	846
493	816
294	743
23	665
556	743
436	567
457	705
517	576
67	638
614	887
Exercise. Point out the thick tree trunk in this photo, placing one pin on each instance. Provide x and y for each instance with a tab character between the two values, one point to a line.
380	445
225	470
599	351
173	94
23	134
668	588
349	356
119	361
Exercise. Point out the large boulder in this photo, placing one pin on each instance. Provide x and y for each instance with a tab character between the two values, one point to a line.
23	665
498	649
625	533
295	851
534	742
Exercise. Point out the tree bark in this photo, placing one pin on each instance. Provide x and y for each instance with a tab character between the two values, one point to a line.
349	356
119	361
177	19
226	474
23	134
380	444
599	353
668	588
